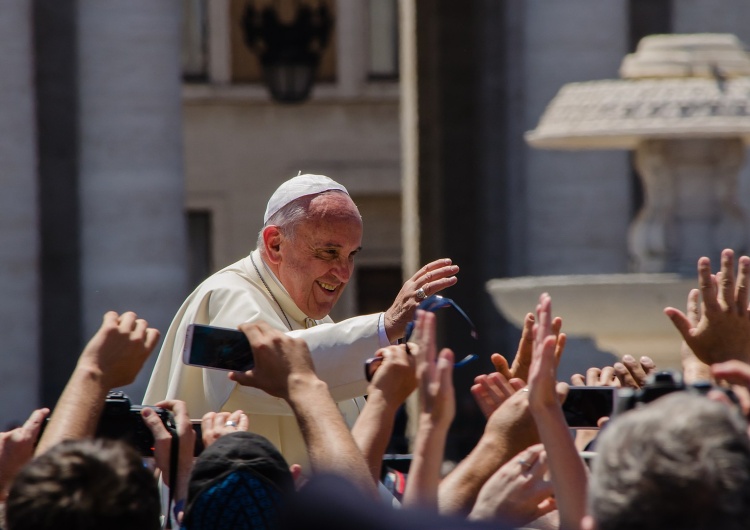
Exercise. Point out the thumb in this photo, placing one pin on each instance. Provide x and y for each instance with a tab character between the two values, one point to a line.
562	391
154	424
680	321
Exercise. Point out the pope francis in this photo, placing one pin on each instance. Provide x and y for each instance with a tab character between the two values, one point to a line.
304	258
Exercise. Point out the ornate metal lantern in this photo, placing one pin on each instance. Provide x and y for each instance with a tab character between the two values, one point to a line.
289	53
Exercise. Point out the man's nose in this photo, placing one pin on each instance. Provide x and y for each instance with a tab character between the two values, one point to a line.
343	270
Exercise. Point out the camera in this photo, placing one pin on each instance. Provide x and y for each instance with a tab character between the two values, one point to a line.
122	420
660	384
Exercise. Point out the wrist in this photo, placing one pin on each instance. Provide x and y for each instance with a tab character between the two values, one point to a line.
92	377
382	400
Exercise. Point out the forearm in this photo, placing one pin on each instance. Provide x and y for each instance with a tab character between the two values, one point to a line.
330	445
78	410
567	470
424	472
373	429
458	491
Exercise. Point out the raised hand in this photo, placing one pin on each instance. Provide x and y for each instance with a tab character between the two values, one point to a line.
17	448
119	348
517	493
279	359
722	331
429	280
492	390
214	425
522	361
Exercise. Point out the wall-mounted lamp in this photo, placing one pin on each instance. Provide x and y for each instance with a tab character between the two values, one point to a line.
289	53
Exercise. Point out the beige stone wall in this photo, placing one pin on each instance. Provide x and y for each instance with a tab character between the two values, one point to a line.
238	150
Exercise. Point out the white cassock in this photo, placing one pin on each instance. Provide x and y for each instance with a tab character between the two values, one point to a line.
237	294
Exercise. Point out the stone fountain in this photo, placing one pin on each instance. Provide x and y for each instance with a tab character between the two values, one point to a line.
683	106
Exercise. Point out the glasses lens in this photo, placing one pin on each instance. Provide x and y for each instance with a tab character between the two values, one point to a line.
433	304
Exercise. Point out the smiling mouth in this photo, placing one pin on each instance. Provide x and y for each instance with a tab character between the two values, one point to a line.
327	286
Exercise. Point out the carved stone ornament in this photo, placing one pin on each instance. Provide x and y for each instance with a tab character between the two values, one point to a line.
684	107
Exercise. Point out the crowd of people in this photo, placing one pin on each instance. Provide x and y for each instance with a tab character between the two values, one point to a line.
679	461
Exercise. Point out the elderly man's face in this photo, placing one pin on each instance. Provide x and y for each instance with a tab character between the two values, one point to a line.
318	263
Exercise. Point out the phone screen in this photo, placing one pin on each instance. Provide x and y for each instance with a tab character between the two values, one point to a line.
219	348
585	405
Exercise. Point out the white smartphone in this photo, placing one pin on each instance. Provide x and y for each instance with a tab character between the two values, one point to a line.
217	348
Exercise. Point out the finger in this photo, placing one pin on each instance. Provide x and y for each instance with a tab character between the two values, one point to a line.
207	424
126	322
693	305
517	383
500	383
433	265
706	285
235	417
578	380
743	276
244	423
561	389
243	378
556	325
445	371
152	338
562	339
501	365
648	365
220	420
726	281
526	344
592	376
34	423
110	318
607	376
681	322
436	286
624	376
139	329
154	424
482	399
635	368
735	372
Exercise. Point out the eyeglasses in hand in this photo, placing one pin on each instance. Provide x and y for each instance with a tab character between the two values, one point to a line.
431	304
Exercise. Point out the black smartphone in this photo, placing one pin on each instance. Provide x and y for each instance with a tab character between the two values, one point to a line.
585	405
218	348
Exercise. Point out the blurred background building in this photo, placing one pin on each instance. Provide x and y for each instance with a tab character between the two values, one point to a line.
140	145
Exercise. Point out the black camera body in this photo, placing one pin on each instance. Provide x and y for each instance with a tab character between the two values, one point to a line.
122	420
660	384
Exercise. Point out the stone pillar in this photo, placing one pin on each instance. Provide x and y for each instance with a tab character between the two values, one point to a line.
691	206
131	162
409	137
19	217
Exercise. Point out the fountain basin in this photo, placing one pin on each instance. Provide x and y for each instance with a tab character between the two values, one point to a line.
621	313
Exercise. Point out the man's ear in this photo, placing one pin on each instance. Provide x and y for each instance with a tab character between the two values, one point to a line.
272	238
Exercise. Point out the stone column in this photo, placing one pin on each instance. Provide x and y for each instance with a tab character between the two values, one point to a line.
131	163
19	217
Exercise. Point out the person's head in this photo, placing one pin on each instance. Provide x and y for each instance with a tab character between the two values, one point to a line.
682	461
84	484
241	481
310	241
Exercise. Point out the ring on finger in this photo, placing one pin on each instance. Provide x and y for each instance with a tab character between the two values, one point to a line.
421	294
525	464
230	423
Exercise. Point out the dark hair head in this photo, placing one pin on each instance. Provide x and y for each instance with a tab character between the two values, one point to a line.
84	484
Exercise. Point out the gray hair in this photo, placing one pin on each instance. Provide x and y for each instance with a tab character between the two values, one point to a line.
680	462
289	216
